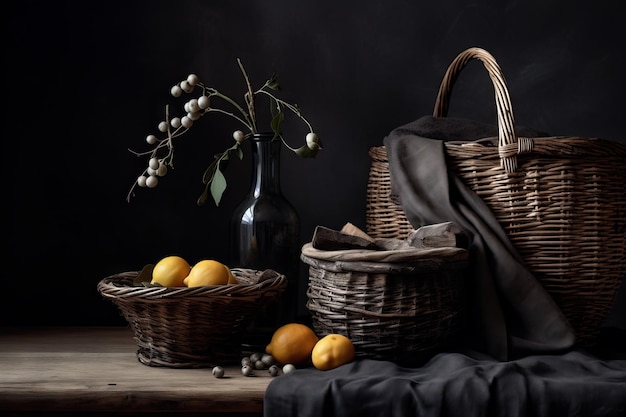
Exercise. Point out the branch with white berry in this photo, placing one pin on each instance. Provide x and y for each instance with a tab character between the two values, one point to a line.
161	156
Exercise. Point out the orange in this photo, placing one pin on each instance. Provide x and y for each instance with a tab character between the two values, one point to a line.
331	351
207	272
170	271
292	343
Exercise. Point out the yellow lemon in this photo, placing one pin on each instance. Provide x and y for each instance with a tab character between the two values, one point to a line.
292	343
231	277
207	272
331	351
170	271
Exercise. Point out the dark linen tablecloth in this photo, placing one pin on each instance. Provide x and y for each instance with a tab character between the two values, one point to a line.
573	384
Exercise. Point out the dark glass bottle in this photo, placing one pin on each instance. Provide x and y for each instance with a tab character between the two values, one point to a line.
265	233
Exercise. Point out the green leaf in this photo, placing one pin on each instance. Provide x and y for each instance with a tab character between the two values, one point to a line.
236	151
218	186
305	152
144	276
208	174
274	107
278	116
203	197
273	83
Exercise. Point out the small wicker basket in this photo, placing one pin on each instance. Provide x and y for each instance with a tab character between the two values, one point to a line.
561	201
397	311
192	327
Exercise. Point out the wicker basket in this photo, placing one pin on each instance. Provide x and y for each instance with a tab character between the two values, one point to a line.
396	311
195	327
561	201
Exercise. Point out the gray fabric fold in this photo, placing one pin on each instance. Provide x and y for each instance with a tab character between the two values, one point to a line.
511	314
455	385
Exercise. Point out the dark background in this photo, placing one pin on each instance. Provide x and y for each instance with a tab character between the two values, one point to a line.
85	81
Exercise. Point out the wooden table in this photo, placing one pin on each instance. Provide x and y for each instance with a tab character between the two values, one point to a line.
95	371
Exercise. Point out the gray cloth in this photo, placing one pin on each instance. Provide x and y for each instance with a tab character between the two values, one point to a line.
455	385
511	314
576	383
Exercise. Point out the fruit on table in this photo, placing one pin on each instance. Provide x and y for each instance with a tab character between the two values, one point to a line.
170	271
207	272
292	343
331	351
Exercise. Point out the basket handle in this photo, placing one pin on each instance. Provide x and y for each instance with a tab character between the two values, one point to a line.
509	145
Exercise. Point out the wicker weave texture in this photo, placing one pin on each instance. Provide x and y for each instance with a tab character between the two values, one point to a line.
195	327
390	316
384	217
563	206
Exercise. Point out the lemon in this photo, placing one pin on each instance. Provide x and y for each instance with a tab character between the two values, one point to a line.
170	271
331	351
231	277
292	343
207	272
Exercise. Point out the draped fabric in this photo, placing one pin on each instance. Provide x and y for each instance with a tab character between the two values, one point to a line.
456	385
511	314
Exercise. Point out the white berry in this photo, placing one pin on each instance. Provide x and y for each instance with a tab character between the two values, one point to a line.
247	370
186	122
187	88
288	368
312	141
218	372
238	135
192	79
152	181
153	163
204	102
193	105
176	91
163	127
175	122
151	139
162	170
194	115
141	181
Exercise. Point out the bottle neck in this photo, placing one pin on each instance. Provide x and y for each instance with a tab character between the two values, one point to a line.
266	164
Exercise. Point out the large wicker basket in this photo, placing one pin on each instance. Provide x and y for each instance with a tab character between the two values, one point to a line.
391	309
561	201
192	327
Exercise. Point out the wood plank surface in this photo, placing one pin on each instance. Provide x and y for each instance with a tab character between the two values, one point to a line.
95	370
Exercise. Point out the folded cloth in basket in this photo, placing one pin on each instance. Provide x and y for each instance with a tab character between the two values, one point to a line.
511	314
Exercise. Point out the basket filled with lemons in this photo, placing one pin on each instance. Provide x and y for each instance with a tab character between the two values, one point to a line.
190	316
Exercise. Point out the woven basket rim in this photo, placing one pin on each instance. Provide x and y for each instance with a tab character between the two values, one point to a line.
556	146
115	287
